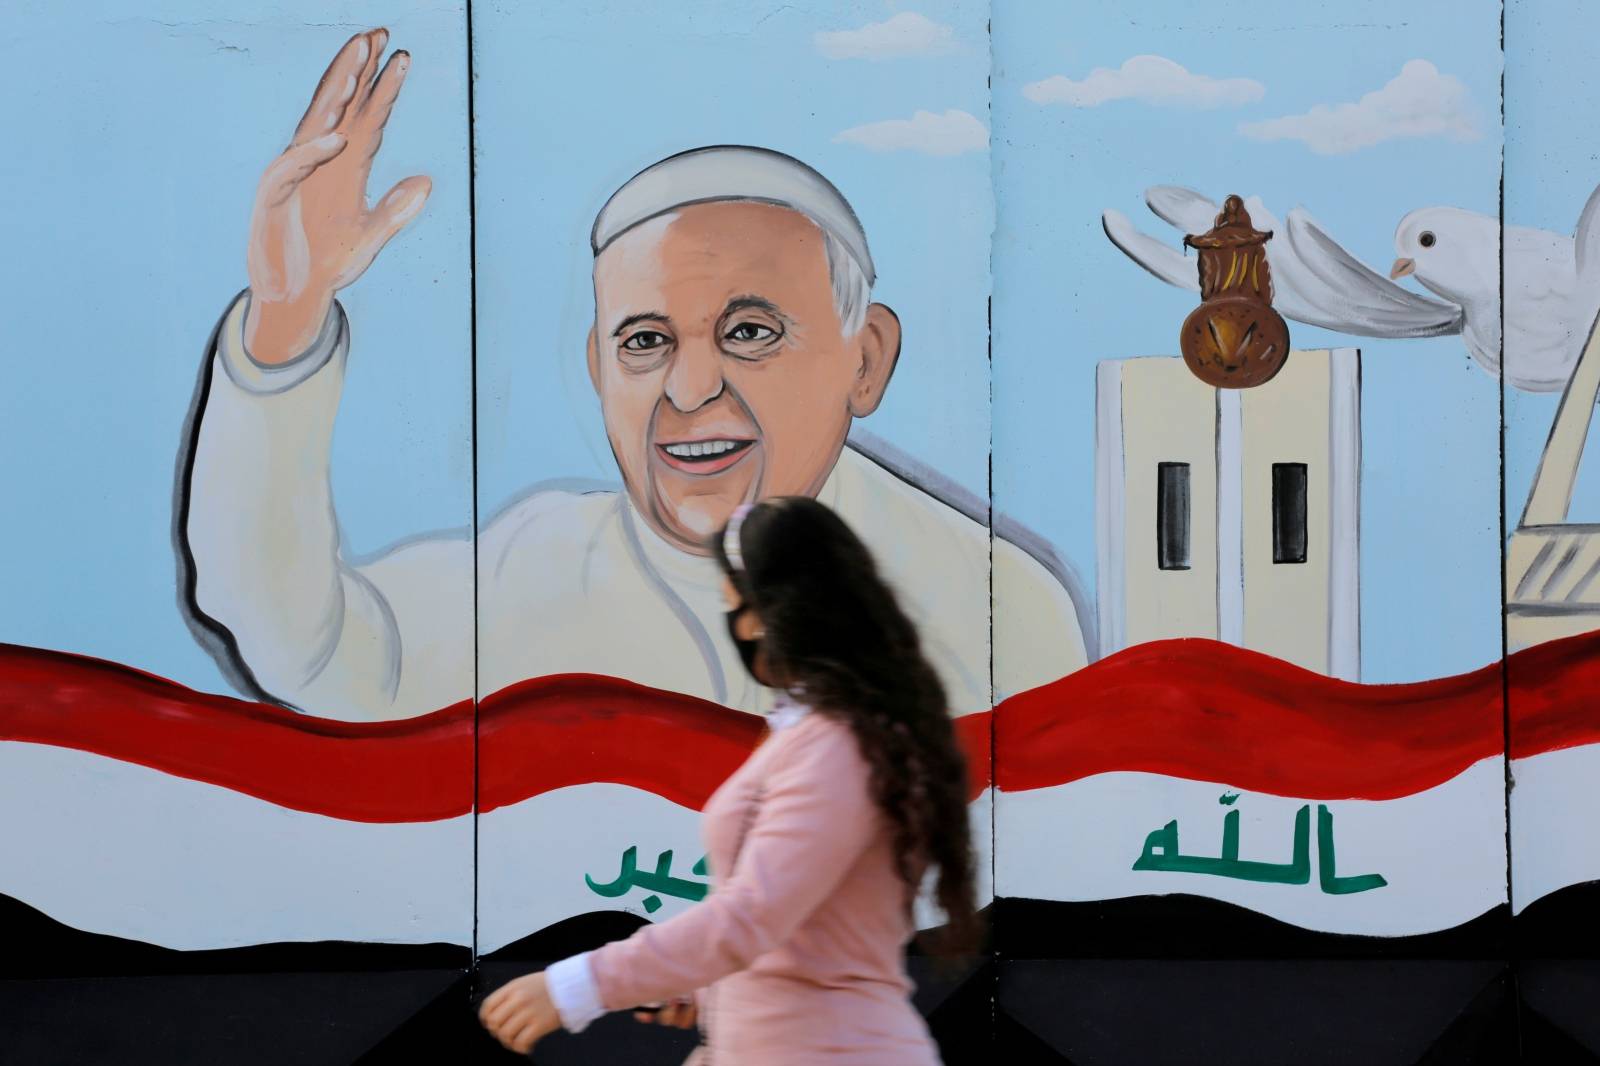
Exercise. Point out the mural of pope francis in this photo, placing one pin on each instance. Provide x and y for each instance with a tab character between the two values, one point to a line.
734	344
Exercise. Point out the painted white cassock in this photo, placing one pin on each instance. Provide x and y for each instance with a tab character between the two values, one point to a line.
569	581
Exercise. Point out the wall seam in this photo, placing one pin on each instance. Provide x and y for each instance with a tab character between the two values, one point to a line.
1505	685
994	715
472	303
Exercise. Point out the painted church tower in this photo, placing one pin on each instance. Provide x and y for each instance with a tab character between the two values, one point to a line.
1232	513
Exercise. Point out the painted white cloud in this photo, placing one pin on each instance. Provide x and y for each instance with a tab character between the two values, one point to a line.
1147	79
951	133
1418	102
906	34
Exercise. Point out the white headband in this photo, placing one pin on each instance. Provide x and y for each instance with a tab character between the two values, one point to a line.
732	173
731	546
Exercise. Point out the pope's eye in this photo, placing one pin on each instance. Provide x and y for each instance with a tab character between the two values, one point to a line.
1427	239
646	340
748	332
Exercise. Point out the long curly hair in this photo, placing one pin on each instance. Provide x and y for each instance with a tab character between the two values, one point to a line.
834	630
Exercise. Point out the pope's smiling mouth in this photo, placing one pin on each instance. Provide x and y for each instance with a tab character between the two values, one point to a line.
710	456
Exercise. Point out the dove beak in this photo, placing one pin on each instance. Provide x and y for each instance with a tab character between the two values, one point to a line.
1401	268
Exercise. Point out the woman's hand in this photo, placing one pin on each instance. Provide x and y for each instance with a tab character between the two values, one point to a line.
678	1013
520	1014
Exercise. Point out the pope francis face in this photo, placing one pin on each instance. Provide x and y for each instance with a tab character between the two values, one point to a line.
724	372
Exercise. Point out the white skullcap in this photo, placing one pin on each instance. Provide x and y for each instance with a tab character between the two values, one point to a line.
732	173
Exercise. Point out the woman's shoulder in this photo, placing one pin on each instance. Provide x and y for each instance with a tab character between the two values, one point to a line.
821	738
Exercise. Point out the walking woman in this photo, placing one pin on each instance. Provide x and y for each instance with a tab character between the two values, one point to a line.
817	844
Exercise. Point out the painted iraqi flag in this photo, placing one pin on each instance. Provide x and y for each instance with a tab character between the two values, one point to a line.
136	807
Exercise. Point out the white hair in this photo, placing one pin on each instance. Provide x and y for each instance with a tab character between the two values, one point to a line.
734	173
852	292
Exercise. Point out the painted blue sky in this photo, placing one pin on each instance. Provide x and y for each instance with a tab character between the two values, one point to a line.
1552	165
1065	298
127	221
558	133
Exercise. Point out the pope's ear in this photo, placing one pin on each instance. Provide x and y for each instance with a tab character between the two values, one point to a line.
594	360
879	341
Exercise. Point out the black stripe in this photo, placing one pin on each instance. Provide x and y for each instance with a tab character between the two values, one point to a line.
38	946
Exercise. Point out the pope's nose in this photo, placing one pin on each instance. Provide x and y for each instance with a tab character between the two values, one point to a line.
695	377
1401	268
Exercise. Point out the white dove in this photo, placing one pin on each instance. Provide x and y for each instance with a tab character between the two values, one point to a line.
1552	287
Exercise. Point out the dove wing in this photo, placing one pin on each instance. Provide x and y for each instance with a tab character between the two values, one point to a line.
1315	280
1319	283
1195	212
1586	237
1185	209
1189	211
1260	217
1162	260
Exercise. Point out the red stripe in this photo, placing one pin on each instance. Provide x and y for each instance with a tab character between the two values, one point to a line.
1555	695
573	729
1204	711
1213	712
416	769
1188	708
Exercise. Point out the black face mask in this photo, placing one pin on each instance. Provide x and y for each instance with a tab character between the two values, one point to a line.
747	648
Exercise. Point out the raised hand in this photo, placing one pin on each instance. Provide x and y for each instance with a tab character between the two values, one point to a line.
312	231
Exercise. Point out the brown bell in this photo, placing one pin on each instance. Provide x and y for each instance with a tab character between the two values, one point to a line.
1234	339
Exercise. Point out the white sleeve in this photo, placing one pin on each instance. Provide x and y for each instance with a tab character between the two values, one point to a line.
574	992
1036	636
387	639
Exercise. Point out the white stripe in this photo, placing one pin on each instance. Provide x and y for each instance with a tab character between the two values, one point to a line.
113	847
1109	512
1230	517
1344	541
1554	842
117	848
533	857
1442	851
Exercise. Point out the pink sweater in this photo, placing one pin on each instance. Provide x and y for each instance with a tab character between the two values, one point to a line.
800	949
